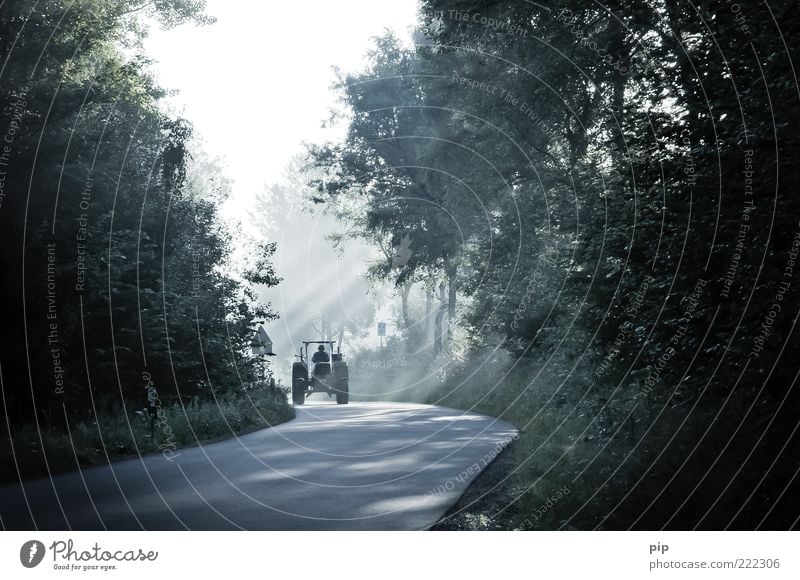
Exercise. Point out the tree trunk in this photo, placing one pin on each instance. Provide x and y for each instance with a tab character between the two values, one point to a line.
451	302
437	323
428	311
616	45
404	295
696	105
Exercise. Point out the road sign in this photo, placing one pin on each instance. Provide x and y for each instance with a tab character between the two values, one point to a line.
381	329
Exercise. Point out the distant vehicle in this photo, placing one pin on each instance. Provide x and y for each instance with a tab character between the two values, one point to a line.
329	375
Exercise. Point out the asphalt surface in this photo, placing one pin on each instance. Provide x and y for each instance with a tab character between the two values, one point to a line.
362	466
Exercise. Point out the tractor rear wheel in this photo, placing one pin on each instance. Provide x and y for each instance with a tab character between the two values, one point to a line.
299	380
342	393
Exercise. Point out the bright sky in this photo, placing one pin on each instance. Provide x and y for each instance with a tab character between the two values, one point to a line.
256	84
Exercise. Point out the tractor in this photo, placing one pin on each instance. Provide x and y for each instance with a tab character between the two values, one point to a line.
329	376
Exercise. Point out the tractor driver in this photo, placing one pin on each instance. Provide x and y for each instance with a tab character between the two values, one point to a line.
321	356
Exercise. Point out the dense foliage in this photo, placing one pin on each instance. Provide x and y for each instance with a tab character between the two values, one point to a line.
114	264
607	192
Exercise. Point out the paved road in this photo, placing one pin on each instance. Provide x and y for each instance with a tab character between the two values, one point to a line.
364	466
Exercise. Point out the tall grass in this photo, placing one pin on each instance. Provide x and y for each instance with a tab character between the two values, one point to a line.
598	446
593	453
100	439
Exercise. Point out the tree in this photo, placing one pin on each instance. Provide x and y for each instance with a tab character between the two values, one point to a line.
122	261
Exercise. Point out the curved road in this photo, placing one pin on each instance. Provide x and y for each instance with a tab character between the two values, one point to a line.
363	466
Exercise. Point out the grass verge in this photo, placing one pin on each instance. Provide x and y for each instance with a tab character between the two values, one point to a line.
604	456
109	437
